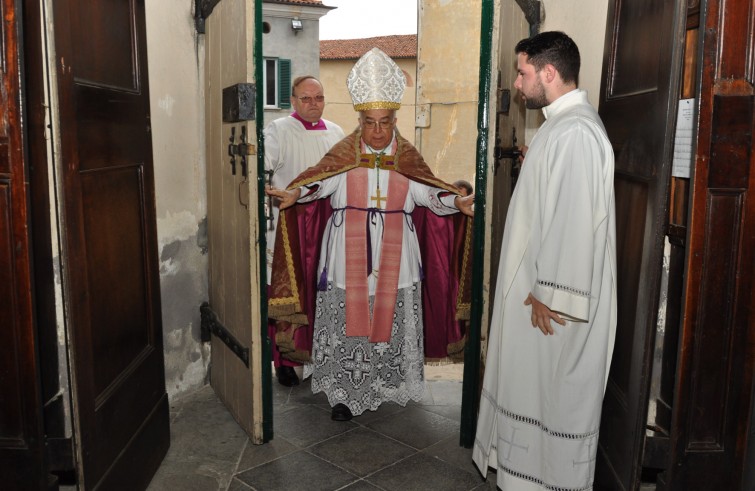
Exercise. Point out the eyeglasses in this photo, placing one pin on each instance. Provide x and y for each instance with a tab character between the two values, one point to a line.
383	125
309	100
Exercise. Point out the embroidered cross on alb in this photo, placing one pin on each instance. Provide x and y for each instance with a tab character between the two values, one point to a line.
378	198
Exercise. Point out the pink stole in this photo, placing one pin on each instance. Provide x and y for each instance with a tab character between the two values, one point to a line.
358	321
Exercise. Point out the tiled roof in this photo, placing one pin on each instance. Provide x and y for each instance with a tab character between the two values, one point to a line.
298	2
396	46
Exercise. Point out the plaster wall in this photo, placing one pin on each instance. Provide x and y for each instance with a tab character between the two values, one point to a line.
585	22
339	108
447	86
175	52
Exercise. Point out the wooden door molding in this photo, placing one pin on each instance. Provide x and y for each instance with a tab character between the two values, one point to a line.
641	72
109	248
22	461
717	342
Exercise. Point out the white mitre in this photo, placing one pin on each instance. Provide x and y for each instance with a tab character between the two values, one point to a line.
376	82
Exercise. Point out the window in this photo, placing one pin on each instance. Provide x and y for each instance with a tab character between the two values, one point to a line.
277	86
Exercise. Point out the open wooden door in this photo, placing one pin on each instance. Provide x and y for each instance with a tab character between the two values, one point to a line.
712	425
641	73
109	243
21	429
233	314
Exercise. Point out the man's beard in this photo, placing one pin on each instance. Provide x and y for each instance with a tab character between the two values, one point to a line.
537	100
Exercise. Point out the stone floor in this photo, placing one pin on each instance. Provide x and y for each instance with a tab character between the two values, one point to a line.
394	448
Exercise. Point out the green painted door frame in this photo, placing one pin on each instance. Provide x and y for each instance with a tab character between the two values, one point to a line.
471	387
267	360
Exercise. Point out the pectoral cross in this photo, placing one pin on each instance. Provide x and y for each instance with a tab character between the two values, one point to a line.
378	198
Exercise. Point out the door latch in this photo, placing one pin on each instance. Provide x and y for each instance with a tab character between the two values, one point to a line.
241	150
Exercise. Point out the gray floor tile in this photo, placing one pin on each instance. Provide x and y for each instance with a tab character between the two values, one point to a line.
424	473
449	450
487	486
385	410
237	485
416	427
307	425
451	412
189	476
360	486
255	455
362	451
300	470
205	445
445	392
302	394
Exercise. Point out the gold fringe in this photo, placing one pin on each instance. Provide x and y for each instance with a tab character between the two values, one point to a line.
440	362
285	342
456	350
299	356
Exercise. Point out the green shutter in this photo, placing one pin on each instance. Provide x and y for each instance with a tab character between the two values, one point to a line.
284	84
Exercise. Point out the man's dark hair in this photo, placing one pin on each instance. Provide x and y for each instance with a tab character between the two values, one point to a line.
465	185
301	79
554	48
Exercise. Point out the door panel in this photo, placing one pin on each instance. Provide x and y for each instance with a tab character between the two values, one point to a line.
233	222
109	243
641	70
712	423
21	432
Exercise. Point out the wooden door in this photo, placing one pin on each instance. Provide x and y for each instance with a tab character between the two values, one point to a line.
21	430
640	86
712	424
109	243
235	236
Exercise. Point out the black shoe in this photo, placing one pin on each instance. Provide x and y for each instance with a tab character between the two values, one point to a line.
341	412
286	376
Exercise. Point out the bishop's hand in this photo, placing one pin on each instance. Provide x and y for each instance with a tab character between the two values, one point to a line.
287	197
465	204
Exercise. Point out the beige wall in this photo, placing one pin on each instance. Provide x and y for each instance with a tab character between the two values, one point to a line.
339	109
447	86
585	23
174	52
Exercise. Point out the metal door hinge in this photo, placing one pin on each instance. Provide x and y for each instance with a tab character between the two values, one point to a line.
210	324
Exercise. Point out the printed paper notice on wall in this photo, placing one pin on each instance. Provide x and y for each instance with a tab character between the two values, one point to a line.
683	139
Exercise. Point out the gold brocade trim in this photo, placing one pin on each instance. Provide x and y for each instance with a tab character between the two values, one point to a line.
399	148
284	340
366	106
284	309
367	160
463	309
298	356
456	350
294	299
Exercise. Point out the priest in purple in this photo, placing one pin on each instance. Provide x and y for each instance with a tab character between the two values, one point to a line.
351	259
292	144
